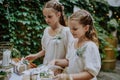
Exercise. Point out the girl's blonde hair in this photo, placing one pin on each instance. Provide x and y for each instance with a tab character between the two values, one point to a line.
85	18
57	6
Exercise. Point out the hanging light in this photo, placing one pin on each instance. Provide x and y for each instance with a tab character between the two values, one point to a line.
114	3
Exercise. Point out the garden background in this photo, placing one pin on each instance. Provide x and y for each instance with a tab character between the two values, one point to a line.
22	22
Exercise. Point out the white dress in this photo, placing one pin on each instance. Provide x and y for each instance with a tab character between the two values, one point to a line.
55	46
85	58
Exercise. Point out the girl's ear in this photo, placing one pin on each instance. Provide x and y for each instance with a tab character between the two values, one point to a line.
59	14
86	28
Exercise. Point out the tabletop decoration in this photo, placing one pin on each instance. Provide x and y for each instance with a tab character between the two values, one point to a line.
45	72
6	58
21	66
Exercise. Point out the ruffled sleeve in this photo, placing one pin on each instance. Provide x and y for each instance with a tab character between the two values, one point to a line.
91	59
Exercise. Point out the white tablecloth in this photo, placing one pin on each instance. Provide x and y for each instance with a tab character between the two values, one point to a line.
18	77
15	77
26	74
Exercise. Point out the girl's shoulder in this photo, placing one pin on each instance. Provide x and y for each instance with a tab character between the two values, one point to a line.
45	32
66	28
90	44
46	29
72	43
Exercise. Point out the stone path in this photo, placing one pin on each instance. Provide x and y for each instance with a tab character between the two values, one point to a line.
114	75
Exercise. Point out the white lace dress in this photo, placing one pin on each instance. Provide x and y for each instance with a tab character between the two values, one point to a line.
56	46
85	58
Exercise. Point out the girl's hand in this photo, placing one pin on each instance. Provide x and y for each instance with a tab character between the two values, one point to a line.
55	70
52	62
61	77
31	57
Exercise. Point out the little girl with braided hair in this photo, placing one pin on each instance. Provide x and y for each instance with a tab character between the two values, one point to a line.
56	36
83	60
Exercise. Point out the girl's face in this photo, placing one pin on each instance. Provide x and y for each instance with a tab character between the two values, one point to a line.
77	29
51	17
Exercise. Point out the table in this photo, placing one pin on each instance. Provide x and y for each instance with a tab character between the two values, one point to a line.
25	76
32	73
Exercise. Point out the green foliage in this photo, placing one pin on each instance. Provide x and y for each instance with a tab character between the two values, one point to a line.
15	53
23	21
112	25
3	73
100	12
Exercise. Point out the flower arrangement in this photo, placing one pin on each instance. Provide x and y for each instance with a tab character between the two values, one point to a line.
45	74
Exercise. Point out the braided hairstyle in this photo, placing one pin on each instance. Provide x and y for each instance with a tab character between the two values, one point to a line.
57	6
85	18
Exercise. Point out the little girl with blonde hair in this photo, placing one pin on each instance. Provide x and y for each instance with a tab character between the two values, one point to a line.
83	60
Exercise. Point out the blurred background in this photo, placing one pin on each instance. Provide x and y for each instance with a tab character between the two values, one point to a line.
22	24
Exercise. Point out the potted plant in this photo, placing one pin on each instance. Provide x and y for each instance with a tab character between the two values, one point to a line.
110	46
118	37
107	42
